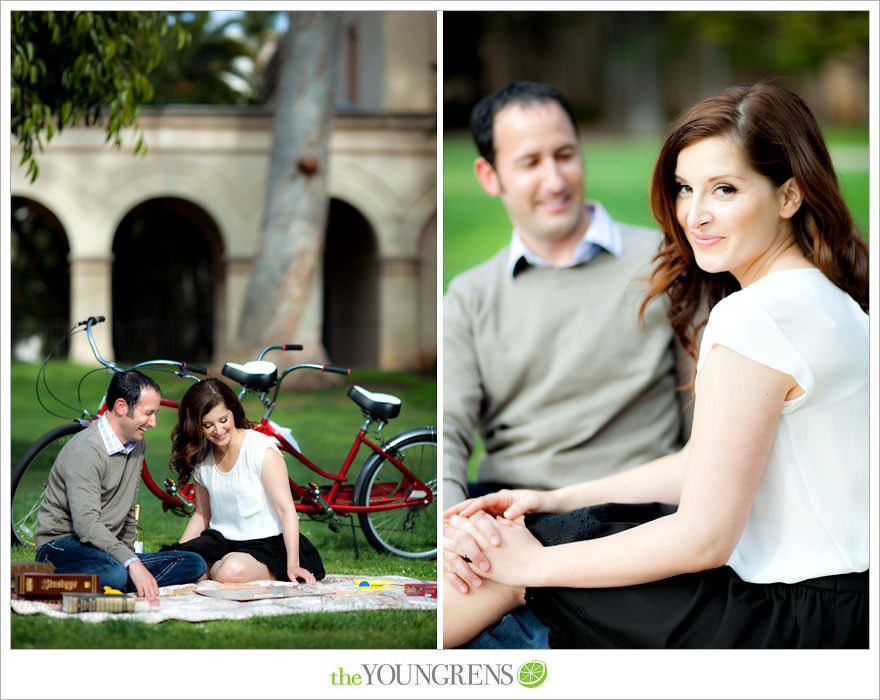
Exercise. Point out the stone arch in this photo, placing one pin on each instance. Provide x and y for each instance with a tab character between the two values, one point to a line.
376	202
167	282
40	278
351	288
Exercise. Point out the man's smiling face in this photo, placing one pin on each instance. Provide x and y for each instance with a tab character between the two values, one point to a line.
540	172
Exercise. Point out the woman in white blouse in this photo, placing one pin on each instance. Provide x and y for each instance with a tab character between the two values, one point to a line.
755	534
245	522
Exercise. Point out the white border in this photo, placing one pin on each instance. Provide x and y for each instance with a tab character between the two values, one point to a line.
306	673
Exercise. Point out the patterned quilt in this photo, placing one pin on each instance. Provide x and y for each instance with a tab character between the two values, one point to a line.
209	600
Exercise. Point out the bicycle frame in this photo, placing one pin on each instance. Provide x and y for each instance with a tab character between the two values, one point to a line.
340	495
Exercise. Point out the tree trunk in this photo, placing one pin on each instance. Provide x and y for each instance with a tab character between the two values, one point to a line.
283	302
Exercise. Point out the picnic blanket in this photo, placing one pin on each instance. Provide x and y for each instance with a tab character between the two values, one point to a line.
209	600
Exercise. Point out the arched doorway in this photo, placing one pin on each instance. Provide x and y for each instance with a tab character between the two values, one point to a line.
167	282
351	288
40	280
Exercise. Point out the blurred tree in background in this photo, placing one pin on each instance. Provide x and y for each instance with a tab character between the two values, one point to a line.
80	68
281	299
220	64
790	43
634	71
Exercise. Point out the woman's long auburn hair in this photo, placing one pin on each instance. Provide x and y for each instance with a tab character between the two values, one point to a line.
187	437
781	139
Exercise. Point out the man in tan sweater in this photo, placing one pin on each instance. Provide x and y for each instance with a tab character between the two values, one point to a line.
544	357
86	521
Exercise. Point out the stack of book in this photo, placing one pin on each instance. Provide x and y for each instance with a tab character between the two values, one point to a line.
29	567
74	592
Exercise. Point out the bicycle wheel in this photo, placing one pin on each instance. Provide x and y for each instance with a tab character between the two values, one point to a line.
29	480
407	531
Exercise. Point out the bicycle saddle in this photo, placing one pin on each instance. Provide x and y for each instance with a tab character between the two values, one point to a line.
259	375
383	406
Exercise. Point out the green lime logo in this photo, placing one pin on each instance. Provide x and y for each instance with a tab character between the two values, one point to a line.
531	674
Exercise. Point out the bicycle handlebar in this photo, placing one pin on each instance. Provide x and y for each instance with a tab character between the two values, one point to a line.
180	369
183	367
283	346
312	365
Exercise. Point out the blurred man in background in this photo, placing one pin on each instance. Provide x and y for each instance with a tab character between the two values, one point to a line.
544	357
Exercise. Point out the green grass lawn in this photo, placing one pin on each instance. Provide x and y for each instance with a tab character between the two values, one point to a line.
324	422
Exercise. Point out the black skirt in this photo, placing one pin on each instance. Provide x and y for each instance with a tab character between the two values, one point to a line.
713	609
213	546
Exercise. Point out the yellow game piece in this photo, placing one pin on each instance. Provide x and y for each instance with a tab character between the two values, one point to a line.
373	583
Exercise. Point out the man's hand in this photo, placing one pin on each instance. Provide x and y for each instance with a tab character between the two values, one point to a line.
143	580
508	503
464	559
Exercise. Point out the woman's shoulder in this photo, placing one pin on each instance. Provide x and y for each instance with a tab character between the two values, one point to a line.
789	295
783	290
256	443
254	449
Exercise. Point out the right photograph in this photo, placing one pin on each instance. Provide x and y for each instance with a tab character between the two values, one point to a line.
655	330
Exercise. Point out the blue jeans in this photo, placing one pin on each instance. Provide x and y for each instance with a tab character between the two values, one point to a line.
519	629
70	556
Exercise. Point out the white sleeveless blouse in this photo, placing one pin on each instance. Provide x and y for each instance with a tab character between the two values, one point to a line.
811	512
240	507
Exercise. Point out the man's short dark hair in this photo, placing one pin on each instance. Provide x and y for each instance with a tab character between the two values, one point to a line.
521	92
129	385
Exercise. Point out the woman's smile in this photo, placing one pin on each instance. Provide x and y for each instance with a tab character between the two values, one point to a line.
704	241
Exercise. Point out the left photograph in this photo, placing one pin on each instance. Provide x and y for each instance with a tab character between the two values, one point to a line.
223	329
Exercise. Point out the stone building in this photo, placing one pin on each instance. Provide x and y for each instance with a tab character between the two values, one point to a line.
199	194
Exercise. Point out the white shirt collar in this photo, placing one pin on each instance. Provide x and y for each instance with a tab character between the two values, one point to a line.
112	443
602	233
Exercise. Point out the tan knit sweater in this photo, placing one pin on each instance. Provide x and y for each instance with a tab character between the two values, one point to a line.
553	372
92	495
